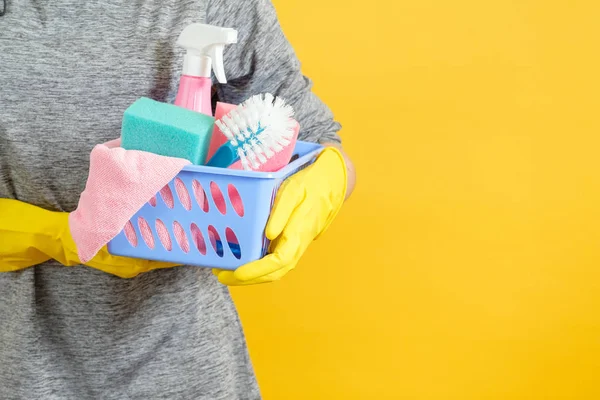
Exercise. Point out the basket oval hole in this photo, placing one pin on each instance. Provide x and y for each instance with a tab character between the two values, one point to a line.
218	198
146	232
163	235
183	194
200	195
167	196
153	201
130	234
236	200
215	240
233	243
198	239
181	237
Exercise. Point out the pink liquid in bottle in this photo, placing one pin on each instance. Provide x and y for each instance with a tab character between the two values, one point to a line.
195	94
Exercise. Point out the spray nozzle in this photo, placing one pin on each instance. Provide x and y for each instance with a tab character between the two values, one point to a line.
205	45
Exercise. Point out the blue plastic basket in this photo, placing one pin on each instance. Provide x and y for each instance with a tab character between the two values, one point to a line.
221	215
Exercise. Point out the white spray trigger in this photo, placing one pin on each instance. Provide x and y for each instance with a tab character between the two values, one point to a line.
217	59
205	44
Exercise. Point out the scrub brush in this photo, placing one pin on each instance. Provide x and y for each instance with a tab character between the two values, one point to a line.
257	130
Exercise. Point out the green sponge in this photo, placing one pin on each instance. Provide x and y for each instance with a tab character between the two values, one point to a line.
166	130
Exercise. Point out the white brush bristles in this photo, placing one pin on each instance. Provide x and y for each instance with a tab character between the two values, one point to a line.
258	128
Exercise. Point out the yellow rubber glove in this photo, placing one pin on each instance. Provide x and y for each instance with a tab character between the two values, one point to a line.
30	235
304	207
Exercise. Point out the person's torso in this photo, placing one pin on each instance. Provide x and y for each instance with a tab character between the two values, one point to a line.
68	71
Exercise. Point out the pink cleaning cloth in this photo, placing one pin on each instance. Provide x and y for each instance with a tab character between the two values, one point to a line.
119	183
275	163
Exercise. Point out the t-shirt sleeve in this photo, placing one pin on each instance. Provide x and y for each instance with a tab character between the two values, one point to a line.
264	61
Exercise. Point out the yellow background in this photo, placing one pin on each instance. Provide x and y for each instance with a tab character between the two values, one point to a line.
473	270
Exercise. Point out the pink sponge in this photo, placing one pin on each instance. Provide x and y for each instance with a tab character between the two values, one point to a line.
275	163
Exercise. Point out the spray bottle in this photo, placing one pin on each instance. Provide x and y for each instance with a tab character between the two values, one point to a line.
204	45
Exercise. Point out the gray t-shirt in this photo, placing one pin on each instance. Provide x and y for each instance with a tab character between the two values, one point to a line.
68	70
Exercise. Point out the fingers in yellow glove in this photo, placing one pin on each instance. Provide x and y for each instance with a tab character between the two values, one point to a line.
290	196
228	278
282	259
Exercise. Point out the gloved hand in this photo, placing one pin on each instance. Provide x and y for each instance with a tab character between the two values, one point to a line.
30	235
304	207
